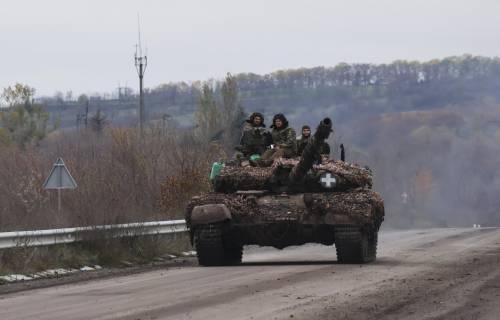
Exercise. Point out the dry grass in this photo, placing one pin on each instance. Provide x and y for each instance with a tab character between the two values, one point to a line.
119	175
107	252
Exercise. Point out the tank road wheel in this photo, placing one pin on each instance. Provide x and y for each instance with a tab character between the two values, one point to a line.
355	245
210	247
233	255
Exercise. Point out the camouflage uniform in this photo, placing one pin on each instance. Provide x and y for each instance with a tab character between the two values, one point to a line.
302	142
254	139
283	140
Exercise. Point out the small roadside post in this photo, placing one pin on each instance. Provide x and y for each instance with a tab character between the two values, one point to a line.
59	178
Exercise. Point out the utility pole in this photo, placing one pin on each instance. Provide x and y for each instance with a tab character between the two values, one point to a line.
83	117
86	114
165	118
122	92
141	61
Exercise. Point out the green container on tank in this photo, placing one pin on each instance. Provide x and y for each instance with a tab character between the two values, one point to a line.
216	168
255	157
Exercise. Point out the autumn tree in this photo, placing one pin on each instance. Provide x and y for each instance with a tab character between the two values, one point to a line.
83	99
220	118
18	94
98	122
232	110
24	122
207	114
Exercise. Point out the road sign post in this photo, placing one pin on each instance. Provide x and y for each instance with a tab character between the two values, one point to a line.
59	178
59	200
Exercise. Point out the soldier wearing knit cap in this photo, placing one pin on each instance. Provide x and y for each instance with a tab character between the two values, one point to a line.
283	139
255	138
304	138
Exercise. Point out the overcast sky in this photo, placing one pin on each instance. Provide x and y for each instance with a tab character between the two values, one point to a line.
88	46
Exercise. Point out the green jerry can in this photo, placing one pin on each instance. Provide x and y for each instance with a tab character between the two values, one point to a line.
216	167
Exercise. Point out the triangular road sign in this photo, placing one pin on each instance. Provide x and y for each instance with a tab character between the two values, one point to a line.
59	177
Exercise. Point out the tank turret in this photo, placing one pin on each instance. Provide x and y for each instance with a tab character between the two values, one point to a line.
308	173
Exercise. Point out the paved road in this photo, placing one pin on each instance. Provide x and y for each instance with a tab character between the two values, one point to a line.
420	274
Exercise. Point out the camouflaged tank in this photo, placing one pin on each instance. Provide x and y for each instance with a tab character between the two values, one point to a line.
310	199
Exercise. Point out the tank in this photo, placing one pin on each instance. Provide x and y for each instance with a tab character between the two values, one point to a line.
308	199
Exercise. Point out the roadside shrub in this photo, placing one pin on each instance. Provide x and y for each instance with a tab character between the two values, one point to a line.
120	178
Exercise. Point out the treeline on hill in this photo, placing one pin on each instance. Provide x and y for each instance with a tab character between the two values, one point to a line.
346	89
353	88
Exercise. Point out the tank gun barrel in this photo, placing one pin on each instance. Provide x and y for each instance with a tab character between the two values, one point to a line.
311	151
324	129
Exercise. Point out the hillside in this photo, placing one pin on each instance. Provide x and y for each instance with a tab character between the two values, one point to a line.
347	91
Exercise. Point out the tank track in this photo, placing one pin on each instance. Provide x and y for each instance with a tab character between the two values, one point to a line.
211	248
355	245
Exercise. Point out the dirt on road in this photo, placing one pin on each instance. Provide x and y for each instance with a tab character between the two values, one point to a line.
420	274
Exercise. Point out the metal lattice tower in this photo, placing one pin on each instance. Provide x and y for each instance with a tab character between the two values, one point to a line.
141	62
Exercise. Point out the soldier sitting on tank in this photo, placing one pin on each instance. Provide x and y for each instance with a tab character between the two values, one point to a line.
303	139
284	144
255	138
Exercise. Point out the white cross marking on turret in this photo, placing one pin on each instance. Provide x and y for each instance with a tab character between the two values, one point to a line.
327	180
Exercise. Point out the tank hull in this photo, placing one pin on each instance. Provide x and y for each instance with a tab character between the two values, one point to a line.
282	220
